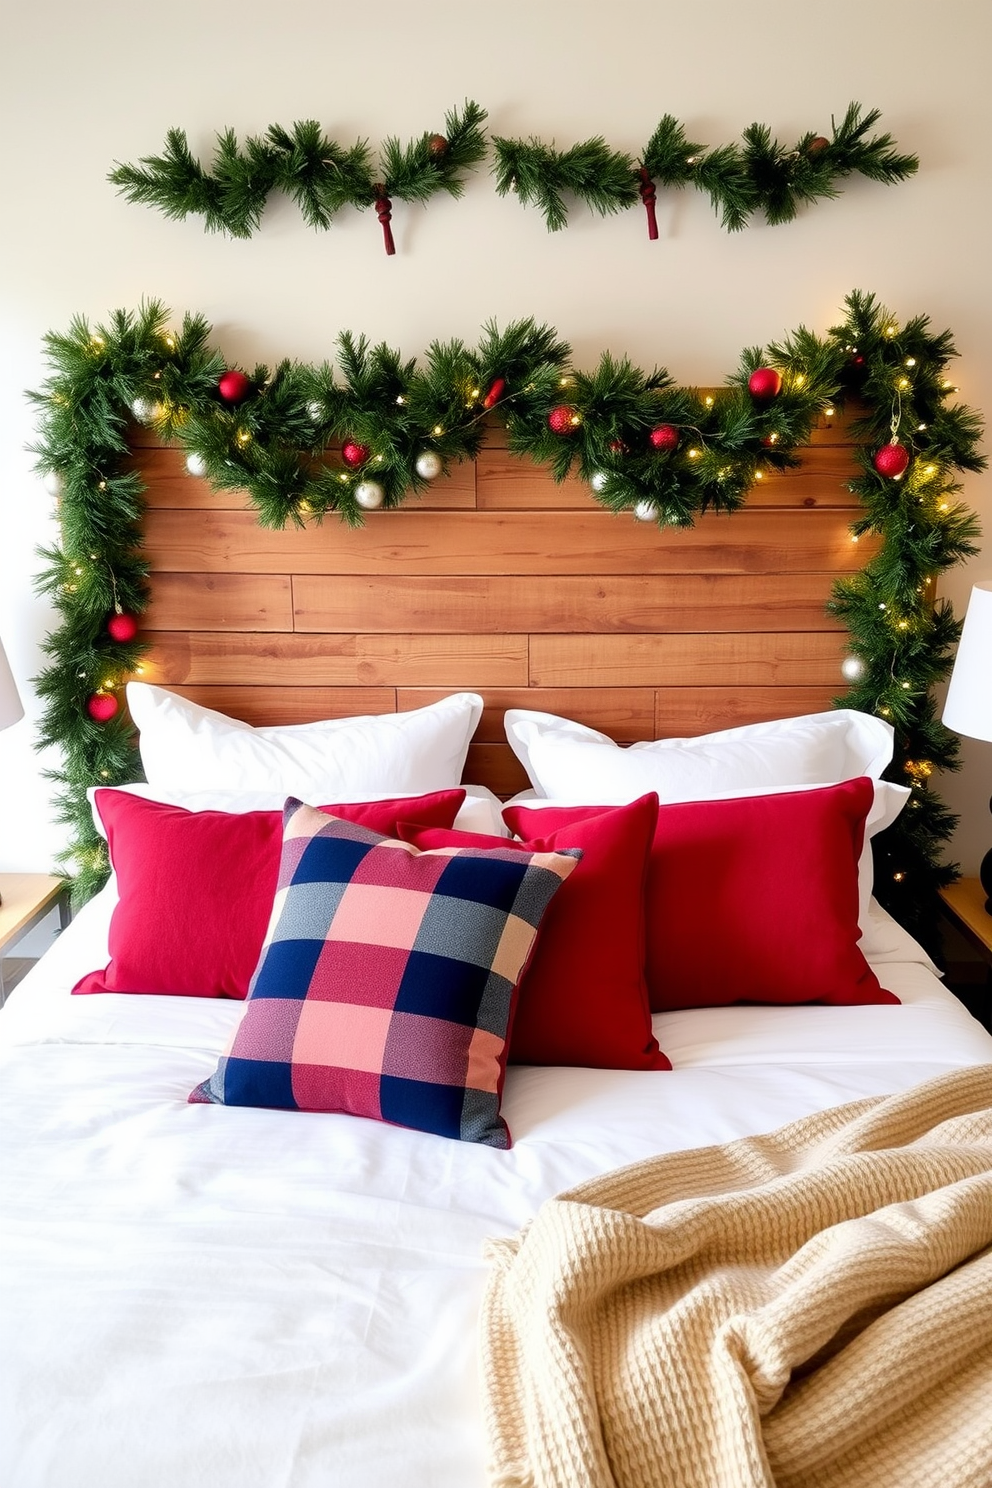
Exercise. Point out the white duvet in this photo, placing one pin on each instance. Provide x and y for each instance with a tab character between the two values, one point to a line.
205	1297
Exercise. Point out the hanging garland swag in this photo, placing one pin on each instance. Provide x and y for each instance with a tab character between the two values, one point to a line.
322	176
644	445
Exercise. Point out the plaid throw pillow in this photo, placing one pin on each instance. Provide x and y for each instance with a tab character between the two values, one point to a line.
386	983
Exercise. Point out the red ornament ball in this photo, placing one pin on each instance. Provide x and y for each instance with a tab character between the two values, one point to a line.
563	419
101	706
665	437
122	627
892	460
234	387
437	146
354	454
495	393
764	383
817	145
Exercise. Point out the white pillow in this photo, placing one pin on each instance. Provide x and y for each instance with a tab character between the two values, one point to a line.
568	760
188	748
889	801
479	812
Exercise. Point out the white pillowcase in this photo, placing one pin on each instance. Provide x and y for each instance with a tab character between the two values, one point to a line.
479	812
570	761
188	748
889	801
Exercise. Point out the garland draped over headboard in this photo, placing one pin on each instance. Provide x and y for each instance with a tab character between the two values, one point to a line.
305	443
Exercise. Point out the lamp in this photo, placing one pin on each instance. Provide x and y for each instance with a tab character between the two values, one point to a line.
11	708
968	709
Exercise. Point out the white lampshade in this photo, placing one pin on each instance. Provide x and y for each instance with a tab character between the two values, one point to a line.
968	709
11	708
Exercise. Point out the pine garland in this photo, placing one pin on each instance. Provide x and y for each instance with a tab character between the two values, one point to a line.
645	445
759	175
322	176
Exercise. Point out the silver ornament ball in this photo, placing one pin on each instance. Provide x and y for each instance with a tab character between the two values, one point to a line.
143	410
369	495
316	411
852	668
429	464
646	511
196	464
53	483
598	480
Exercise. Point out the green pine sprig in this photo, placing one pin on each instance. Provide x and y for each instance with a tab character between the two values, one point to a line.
539	174
759	174
320	175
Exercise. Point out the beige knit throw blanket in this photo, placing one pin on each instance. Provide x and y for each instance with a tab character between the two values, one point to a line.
808	1309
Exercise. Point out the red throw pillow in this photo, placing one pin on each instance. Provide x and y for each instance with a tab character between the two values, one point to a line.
583	998
753	899
196	888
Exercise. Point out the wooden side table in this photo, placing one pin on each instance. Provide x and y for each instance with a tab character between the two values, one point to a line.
26	899
964	907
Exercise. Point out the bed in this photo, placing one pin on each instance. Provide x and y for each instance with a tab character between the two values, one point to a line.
226	1294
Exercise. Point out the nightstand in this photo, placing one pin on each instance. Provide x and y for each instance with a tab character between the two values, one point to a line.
964	908
27	899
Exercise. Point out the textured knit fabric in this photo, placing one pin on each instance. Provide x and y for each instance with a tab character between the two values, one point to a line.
385	986
810	1309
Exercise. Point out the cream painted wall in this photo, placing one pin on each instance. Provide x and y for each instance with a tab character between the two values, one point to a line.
83	85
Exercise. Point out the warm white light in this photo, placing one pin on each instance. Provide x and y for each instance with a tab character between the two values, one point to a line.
709	402
910	361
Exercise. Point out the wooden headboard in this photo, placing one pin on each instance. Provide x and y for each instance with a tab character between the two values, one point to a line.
502	582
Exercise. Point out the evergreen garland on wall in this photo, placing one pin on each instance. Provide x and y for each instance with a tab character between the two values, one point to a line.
323	176
320	175
758	175
645	446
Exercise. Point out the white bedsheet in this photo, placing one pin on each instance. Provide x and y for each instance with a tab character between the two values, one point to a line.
196	1295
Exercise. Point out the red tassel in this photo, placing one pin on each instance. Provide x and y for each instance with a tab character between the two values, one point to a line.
649	197
384	211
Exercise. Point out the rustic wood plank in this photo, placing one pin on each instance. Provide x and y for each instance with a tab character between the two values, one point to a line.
169	484
273	706
220	602
832	429
626	713
496	766
685	660
413	604
755	541
509	483
685	711
220	657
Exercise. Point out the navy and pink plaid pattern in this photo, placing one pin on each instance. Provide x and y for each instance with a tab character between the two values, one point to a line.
385	985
